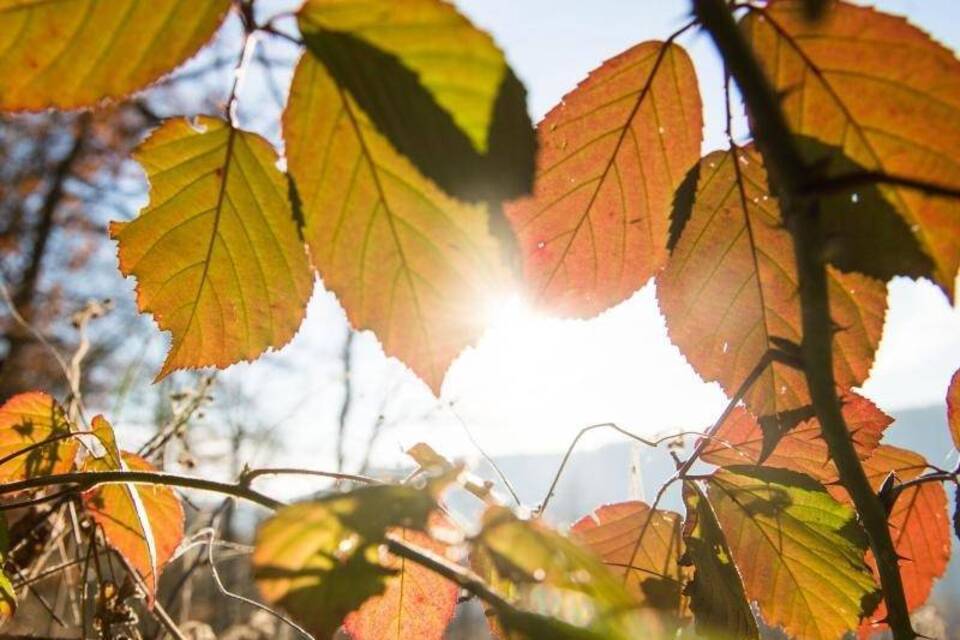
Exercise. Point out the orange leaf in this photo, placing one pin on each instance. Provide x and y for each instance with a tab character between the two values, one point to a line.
953	408
27	419
878	93
417	603
144	523
611	156
919	526
655	577
729	293
740	440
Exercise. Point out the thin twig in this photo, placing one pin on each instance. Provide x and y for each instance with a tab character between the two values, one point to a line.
248	477
493	464
253	603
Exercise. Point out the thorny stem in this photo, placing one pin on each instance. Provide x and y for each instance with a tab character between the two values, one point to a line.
789	175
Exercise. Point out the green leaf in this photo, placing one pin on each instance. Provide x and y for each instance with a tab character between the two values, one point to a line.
717	599
546	573
55	53
406	261
217	252
437	87
320	560
799	551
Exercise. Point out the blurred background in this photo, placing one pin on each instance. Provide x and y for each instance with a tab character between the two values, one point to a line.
330	399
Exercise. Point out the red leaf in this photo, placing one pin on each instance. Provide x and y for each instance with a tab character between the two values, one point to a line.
953	408
417	603
656	577
740	440
612	154
919	525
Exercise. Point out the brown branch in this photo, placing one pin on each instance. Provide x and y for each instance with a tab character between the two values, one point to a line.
788	174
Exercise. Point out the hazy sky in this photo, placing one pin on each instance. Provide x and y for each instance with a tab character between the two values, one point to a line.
533	382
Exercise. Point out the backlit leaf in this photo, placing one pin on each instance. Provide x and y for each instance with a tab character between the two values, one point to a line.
320	560
216	253
546	573
8	595
611	156
739	440
68	54
953	408
799	551
919	526
873	88
405	260
143	522
655	575
417	602
717	598
729	293
28	419
437	87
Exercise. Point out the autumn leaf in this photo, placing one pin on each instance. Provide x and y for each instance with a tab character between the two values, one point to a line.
739	440
75	54
729	294
611	156
546	573
953	408
8	595
632	538
405	260
717	598
26	420
919	526
143	522
216	253
320	560
799	551
874	90
417	603
434	85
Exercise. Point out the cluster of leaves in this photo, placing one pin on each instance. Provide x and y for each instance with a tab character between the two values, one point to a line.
411	178
143	523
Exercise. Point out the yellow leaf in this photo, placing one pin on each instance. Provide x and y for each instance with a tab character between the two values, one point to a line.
457	63
144	523
28	419
217	253
74	53
407	261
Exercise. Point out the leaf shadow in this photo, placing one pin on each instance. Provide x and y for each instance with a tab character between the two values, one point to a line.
395	100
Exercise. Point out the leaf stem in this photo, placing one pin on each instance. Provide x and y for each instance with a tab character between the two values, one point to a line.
788	173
